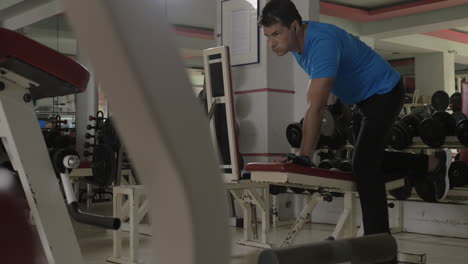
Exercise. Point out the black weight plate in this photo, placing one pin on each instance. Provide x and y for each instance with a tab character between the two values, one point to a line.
104	166
432	132
458	174
462	132
346	166
399	137
458	116
294	134
440	100
412	122
426	190
403	192
57	157
329	164
448	120
456	102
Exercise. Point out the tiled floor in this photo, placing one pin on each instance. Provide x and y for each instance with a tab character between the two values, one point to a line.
96	244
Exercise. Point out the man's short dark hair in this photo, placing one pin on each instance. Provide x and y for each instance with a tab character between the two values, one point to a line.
279	11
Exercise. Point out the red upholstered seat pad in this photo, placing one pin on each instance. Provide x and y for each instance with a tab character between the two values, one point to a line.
85	164
17	50
294	168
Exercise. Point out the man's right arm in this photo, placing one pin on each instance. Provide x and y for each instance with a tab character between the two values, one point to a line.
317	98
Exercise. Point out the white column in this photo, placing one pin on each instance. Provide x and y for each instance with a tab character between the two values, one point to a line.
449	72
86	105
263	116
435	71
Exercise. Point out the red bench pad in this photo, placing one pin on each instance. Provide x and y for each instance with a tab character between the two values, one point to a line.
55	73
294	168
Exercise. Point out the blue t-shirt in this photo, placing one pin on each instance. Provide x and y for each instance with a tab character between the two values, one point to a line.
359	72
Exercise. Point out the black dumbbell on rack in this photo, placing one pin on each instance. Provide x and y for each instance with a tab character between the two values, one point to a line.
458	174
336	165
440	100
346	166
328	164
403	130
434	130
456	102
461	129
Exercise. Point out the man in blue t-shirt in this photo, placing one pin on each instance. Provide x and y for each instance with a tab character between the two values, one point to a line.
339	64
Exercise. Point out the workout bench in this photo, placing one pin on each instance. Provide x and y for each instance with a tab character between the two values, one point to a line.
321	183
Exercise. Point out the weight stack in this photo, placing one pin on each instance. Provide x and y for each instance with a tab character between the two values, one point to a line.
464	92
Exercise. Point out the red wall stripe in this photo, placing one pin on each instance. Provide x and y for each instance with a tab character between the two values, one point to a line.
194	32
396	63
449	35
360	15
345	12
265	90
263	154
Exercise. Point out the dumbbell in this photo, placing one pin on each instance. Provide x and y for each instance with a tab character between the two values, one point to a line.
88	136
335	121
294	134
403	131
346	166
456	102
434	130
458	174
461	130
87	153
89	127
328	164
335	126
440	100
294	131
403	192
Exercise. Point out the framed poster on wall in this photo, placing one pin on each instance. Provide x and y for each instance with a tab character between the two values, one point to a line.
240	30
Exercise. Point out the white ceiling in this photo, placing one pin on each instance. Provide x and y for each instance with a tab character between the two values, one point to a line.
391	51
202	14
8	3
462	29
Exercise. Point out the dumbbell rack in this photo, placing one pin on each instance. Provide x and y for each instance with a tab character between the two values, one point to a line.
458	195
451	142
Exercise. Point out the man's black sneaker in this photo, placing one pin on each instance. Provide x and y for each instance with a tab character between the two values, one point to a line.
439	176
